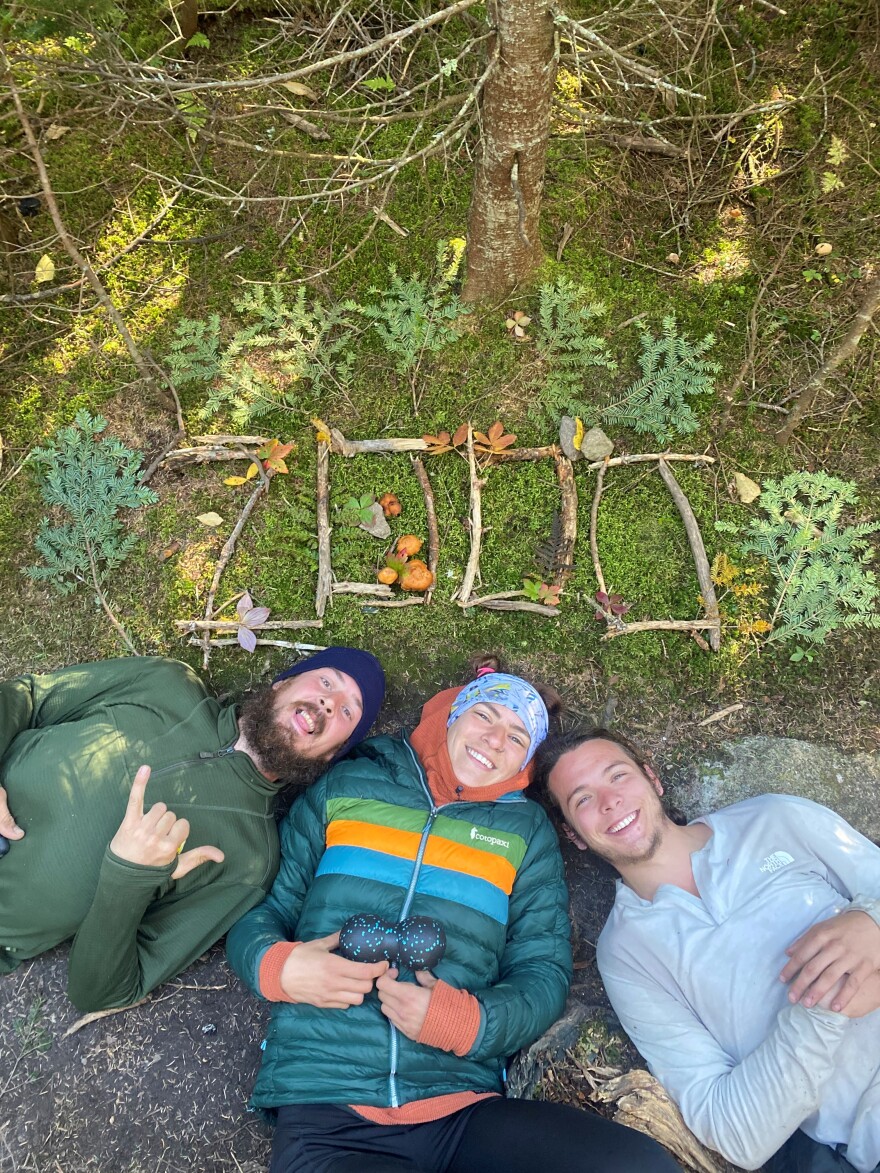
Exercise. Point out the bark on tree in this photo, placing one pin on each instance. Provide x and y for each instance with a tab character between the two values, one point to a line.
504	246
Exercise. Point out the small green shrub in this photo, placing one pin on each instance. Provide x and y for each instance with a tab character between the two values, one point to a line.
90	480
673	371
281	345
568	349
819	565
414	317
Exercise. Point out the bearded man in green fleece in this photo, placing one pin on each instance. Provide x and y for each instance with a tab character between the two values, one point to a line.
136	811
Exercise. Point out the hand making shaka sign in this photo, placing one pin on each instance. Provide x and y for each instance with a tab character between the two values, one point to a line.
155	837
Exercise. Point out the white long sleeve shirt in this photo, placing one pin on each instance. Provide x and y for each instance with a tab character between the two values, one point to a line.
695	983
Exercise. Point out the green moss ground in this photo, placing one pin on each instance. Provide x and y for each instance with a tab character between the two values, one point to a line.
58	361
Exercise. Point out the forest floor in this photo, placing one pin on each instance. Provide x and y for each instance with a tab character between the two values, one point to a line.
725	238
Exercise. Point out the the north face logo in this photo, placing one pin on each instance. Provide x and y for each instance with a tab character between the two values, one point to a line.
779	859
475	834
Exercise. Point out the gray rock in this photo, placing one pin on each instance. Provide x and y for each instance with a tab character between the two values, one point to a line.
847	783
596	445
377	527
567	429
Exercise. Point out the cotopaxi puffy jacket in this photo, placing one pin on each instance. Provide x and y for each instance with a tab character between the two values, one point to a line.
369	838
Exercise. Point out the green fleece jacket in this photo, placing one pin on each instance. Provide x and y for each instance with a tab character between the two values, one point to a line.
70	744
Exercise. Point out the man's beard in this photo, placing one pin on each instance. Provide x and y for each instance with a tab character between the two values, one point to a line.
273	743
620	860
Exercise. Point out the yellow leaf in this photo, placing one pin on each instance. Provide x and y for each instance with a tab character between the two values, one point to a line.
234	481
578	433
252	471
210	519
45	268
322	429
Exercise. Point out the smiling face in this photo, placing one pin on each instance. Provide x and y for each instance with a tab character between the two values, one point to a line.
610	803
487	744
317	710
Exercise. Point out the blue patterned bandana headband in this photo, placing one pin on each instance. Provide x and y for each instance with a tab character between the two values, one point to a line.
497	688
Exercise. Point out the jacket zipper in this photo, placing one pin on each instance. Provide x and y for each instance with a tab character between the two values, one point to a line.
205	755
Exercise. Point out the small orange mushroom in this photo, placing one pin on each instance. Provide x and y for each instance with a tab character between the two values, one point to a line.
417	576
387	575
391	506
408	544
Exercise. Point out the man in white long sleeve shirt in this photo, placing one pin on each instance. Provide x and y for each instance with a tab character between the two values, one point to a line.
742	956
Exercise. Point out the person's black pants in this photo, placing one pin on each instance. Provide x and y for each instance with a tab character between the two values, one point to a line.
801	1154
493	1136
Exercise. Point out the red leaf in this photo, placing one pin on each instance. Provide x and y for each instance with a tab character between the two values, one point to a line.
460	436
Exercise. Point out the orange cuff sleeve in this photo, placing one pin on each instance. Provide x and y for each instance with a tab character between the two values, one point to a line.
270	971
452	1021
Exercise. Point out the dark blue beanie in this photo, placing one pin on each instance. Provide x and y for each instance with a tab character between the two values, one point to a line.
360	666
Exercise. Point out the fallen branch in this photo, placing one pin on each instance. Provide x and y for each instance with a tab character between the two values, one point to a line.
361	588
228	550
720	715
594	522
465	589
96	1015
568	512
231	625
492	603
431	513
413	602
643	457
261	643
662	625
343	447
704	574
322	512
807	396
70	248
516	454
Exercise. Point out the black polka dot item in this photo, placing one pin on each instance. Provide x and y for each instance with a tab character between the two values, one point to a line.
418	942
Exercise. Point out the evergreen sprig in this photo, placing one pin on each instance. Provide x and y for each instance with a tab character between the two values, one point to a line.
279	345
90	479
819	564
414	317
568	349
673	371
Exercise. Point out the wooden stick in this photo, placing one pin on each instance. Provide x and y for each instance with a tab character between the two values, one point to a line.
240	441
512	605
642	457
491	598
431	512
361	588
594	521
343	447
661	625
720	715
568	490
261	643
807	396
515	454
220	625
324	588
704	574
203	453
97	1015
412	602
466	587
227	552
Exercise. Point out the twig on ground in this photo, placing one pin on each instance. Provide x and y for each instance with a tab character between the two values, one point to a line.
720	715
568	514
431	513
96	1015
594	520
465	589
704	574
807	396
322	513
229	549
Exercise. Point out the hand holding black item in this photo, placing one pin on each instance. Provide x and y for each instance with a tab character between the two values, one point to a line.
418	942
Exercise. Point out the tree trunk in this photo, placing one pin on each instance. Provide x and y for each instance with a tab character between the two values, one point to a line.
504	247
